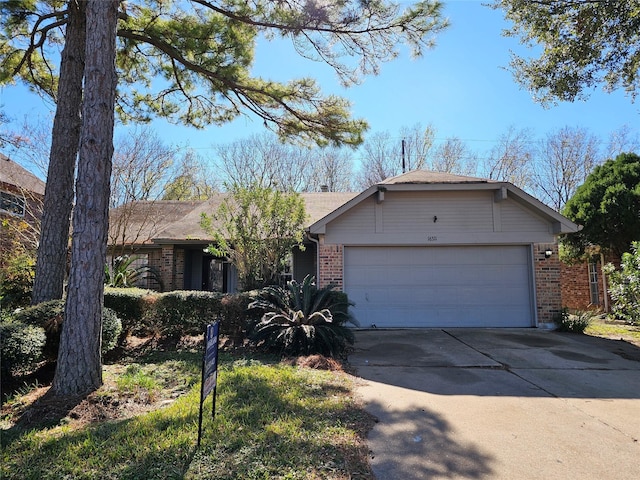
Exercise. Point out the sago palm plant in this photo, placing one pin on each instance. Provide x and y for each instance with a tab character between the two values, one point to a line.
303	319
123	273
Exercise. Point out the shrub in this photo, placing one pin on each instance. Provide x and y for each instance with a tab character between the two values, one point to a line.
16	279
624	286
49	316
178	313
131	306
21	346
303	320
572	322
236	317
124	273
111	328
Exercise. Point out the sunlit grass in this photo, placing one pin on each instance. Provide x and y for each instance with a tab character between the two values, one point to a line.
272	421
602	328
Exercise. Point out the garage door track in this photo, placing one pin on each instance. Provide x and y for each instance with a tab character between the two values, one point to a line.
499	404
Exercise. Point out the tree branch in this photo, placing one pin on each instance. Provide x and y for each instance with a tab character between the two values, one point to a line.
33	45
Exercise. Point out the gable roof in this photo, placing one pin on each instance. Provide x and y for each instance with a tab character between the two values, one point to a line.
429	177
417	180
17	176
170	221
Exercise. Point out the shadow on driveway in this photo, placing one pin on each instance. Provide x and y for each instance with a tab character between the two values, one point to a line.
502	362
499	404
413	432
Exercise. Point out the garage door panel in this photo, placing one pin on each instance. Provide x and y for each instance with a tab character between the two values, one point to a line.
440	286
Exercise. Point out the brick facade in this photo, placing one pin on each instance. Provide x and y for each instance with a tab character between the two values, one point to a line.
331	267
547	281
576	288
576	293
167	268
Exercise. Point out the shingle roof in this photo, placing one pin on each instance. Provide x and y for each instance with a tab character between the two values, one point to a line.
15	175
426	176
164	221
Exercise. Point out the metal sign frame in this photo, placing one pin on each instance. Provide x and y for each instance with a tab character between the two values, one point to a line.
209	371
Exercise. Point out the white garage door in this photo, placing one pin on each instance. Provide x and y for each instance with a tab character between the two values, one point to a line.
471	286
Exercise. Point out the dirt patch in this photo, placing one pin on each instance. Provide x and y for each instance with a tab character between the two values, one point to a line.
40	408
318	362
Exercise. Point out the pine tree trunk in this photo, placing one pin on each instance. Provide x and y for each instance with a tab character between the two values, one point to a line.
79	368
51	264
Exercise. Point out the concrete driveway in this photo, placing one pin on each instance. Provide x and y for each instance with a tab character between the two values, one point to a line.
499	404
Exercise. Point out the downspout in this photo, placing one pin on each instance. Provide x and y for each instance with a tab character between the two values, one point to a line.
317	242
604	284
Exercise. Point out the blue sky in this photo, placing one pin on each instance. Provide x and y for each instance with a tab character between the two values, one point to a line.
460	87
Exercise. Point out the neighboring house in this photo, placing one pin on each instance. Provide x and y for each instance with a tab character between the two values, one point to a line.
422	249
21	195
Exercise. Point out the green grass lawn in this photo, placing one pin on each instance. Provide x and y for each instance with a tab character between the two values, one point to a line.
273	421
600	327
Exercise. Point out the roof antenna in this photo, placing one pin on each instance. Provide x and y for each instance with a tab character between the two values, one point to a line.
404	168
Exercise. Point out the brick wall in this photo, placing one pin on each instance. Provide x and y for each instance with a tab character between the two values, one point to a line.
576	293
178	266
547	278
575	286
331	265
154	259
167	268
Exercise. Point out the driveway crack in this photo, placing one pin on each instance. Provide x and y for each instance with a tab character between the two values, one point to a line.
503	365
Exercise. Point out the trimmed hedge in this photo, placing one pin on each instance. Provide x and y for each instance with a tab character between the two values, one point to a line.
49	316
184	312
131	305
21	347
178	313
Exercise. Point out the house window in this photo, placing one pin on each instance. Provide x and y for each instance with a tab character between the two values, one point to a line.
286	274
593	283
11	203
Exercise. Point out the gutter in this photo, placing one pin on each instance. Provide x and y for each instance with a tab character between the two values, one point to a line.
317	242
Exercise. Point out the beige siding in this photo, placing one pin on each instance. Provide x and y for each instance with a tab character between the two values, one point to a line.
414	212
359	219
517	218
463	217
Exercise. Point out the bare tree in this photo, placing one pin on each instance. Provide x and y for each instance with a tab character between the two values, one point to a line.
8	137
31	146
192	179
623	140
141	164
418	145
565	158
332	168
511	159
453	156
265	161
381	159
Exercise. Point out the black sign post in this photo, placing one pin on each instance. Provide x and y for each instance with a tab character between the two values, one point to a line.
209	371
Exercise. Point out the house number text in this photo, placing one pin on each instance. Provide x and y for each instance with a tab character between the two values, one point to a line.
432	238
